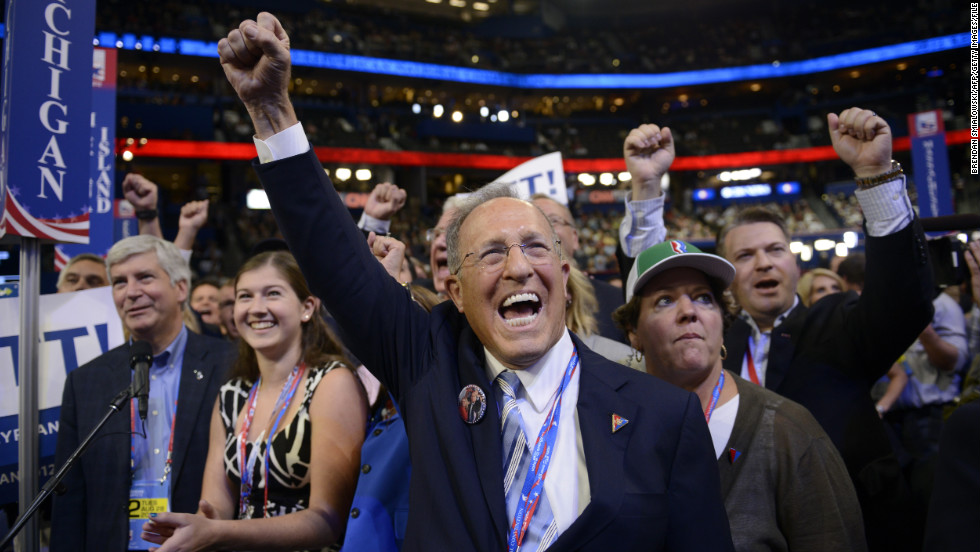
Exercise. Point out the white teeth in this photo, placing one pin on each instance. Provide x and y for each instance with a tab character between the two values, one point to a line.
522	321
521	297
260	325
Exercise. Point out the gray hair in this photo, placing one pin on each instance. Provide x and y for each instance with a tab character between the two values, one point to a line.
168	256
80	257
451	203
465	207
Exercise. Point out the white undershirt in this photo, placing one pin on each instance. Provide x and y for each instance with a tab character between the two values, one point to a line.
721	424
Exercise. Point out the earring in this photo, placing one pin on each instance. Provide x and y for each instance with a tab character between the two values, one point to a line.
306	318
636	356
724	352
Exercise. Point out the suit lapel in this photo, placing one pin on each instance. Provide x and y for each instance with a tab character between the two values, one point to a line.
190	398
781	347
485	434
117	430
604	449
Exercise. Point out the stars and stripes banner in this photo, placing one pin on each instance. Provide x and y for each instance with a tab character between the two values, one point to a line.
18	220
47	104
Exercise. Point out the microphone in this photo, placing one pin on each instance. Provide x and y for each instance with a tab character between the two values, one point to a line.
142	357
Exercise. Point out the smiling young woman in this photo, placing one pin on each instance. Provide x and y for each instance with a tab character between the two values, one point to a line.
286	430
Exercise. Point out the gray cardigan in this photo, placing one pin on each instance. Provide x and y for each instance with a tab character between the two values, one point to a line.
787	488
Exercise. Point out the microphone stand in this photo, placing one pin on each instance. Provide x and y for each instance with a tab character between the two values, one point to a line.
115	406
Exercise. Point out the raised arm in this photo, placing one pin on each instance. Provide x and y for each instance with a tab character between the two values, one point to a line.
861	139
385	200
389	252
648	151
382	326
896	304
193	215
255	59
142	193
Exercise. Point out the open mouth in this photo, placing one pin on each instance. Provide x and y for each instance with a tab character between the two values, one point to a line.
442	266
520	309
261	325
766	284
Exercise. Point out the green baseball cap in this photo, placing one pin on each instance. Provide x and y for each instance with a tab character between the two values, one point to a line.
676	254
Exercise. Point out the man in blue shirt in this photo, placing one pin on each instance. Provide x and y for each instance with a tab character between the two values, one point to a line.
138	465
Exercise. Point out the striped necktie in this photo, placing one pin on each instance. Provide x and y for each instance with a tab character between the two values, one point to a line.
517	456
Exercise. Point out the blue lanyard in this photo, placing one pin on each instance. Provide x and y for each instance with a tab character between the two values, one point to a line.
540	460
715	393
246	467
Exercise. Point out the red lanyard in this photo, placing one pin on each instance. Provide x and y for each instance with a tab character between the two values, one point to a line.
246	463
751	365
132	441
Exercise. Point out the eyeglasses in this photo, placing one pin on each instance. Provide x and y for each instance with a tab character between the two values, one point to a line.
432	234
492	259
556	221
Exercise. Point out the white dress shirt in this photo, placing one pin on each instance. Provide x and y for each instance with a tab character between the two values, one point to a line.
567	483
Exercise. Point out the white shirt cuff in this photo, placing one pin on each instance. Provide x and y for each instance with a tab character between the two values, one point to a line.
643	225
887	208
287	143
371	224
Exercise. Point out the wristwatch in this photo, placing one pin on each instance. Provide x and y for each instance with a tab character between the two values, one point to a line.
146	214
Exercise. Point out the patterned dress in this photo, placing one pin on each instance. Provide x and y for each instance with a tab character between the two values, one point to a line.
289	469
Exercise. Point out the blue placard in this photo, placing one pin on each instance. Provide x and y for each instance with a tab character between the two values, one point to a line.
47	102
102	166
931	168
930	163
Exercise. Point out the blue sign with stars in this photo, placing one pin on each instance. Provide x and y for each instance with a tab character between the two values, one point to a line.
47	104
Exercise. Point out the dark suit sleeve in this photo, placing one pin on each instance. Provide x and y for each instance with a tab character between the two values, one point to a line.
697	515
625	263
380	323
68	521
895	306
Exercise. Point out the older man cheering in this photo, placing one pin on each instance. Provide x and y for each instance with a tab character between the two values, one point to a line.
571	451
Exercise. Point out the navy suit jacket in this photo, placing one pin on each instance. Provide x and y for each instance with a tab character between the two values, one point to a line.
654	483
93	513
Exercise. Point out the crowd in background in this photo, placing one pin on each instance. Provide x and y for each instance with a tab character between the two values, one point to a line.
360	116
728	36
